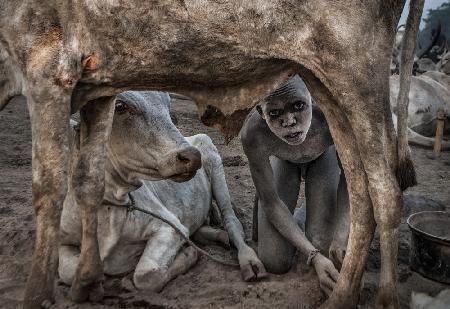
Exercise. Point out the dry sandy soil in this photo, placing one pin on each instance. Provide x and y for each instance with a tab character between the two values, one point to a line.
207	285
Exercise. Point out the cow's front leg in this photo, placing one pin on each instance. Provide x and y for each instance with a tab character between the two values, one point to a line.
379	161
49	107
154	269
87	183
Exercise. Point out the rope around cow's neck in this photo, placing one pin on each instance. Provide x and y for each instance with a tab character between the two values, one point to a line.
132	206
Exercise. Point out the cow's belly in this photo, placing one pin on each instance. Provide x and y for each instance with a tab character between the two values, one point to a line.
174	42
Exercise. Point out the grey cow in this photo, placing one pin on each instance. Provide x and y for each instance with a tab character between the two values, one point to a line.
429	92
227	55
135	241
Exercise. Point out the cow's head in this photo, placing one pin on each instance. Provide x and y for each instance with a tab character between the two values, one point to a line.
144	142
288	111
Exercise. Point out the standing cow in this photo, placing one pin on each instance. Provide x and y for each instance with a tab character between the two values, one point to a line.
227	55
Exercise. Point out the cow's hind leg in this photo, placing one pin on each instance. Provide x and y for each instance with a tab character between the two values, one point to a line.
376	143
338	246
207	235
346	291
185	260
374	138
87	183
68	261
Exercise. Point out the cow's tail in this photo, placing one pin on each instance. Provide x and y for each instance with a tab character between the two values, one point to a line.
406	174
10	79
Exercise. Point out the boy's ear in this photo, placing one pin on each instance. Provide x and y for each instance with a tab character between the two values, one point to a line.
260	112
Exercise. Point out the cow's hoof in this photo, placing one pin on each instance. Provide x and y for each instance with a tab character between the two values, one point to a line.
339	302
387	298
93	292
79	293
97	292
39	293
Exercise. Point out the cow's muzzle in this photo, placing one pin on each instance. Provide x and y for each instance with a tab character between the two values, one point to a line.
182	165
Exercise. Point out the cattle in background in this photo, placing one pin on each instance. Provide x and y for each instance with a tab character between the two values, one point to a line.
429	93
428	58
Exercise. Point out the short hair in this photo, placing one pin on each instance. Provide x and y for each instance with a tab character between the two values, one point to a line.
292	85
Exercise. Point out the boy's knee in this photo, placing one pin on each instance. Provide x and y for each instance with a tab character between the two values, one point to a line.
276	261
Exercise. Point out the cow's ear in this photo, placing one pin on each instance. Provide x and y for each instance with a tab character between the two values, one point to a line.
260	112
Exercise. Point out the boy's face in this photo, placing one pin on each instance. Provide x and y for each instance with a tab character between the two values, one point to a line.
288	115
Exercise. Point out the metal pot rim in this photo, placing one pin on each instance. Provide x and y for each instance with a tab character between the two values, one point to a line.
414	229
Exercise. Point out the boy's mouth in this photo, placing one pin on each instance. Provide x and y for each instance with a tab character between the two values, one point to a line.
293	135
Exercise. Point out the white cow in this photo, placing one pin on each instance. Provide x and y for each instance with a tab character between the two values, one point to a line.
429	92
137	241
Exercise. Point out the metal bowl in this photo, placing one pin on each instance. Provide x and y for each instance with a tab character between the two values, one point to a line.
430	244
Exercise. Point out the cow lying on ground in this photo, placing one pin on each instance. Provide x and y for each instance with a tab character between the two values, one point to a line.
66	56
428	93
134	240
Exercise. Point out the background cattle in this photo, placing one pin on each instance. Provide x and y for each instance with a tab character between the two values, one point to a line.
429	93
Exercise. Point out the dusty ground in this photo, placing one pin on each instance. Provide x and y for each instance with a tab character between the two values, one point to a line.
207	285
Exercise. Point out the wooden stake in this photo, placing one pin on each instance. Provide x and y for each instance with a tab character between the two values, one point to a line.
439	132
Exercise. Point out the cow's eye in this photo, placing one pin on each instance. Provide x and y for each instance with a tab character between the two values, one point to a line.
120	107
275	113
298	106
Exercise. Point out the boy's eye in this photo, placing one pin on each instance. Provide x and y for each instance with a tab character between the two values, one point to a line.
120	107
299	106
275	113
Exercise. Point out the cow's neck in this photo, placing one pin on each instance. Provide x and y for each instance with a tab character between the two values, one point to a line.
117	186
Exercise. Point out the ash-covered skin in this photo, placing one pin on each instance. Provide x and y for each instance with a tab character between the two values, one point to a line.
288	111
286	141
